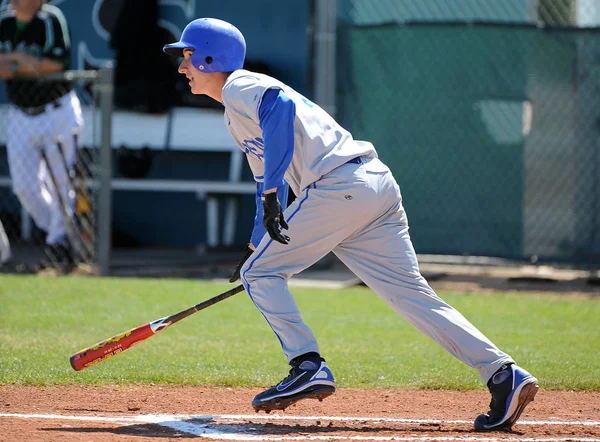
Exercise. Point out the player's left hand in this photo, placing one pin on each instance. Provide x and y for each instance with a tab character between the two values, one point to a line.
273	218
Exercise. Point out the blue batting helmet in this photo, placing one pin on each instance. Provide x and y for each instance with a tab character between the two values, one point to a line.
218	46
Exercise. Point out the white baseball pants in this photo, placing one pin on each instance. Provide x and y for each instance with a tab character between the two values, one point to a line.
27	135
356	211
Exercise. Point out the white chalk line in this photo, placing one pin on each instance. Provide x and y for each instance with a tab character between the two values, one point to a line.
153	418
370	419
185	424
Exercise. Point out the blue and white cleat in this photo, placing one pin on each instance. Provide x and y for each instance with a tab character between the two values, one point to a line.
309	378
512	390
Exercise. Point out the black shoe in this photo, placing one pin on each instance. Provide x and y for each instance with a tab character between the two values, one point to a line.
310	377
60	253
512	390
58	256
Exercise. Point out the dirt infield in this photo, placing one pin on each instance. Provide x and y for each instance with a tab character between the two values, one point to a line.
147	413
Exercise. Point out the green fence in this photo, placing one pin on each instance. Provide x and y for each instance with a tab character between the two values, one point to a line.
492	130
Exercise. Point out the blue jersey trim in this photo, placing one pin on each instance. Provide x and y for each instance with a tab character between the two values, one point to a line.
259	230
243	275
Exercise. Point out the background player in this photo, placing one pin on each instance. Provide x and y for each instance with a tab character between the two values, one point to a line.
5	252
34	39
347	202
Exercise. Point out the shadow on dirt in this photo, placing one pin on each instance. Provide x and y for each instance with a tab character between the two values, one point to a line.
206	428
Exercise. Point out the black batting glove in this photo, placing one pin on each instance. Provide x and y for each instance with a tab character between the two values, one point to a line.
273	218
236	273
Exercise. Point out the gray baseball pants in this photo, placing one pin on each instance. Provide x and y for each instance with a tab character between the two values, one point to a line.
356	211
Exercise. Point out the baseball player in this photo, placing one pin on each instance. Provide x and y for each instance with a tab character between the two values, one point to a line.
34	39
347	202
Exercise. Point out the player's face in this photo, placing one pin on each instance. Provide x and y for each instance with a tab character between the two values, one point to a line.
199	81
26	4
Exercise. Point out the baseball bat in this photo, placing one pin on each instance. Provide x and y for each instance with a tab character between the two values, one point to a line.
68	217
80	197
119	343
72	171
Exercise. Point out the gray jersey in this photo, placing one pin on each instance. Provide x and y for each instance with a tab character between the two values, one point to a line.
320	143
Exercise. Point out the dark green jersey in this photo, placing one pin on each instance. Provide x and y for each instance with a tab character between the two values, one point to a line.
46	35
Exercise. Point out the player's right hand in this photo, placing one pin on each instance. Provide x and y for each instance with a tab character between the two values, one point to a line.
236	273
273	218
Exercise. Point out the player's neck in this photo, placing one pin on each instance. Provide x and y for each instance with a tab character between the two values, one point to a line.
217	92
25	15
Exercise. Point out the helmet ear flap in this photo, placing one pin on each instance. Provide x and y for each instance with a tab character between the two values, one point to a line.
204	63
198	61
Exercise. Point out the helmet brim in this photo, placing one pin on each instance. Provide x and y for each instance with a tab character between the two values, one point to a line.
176	49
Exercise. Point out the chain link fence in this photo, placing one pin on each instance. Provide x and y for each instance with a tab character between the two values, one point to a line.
490	122
487	112
50	134
578	13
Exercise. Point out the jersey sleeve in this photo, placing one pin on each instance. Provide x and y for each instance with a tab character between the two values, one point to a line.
277	113
58	39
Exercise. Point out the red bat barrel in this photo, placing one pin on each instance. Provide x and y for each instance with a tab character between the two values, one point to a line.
110	347
121	342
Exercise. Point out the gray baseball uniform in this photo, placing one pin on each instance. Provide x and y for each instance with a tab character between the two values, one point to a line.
347	202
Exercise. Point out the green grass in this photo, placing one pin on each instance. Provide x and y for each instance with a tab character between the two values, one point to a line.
44	320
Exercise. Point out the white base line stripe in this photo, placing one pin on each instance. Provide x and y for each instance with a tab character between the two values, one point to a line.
127	420
186	424
152	418
371	419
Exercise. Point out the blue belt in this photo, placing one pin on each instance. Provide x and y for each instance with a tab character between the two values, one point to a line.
355	160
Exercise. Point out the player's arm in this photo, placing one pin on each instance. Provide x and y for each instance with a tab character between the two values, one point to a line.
8	57
276	118
60	52
9	63
25	65
7	67
55	57
278	138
